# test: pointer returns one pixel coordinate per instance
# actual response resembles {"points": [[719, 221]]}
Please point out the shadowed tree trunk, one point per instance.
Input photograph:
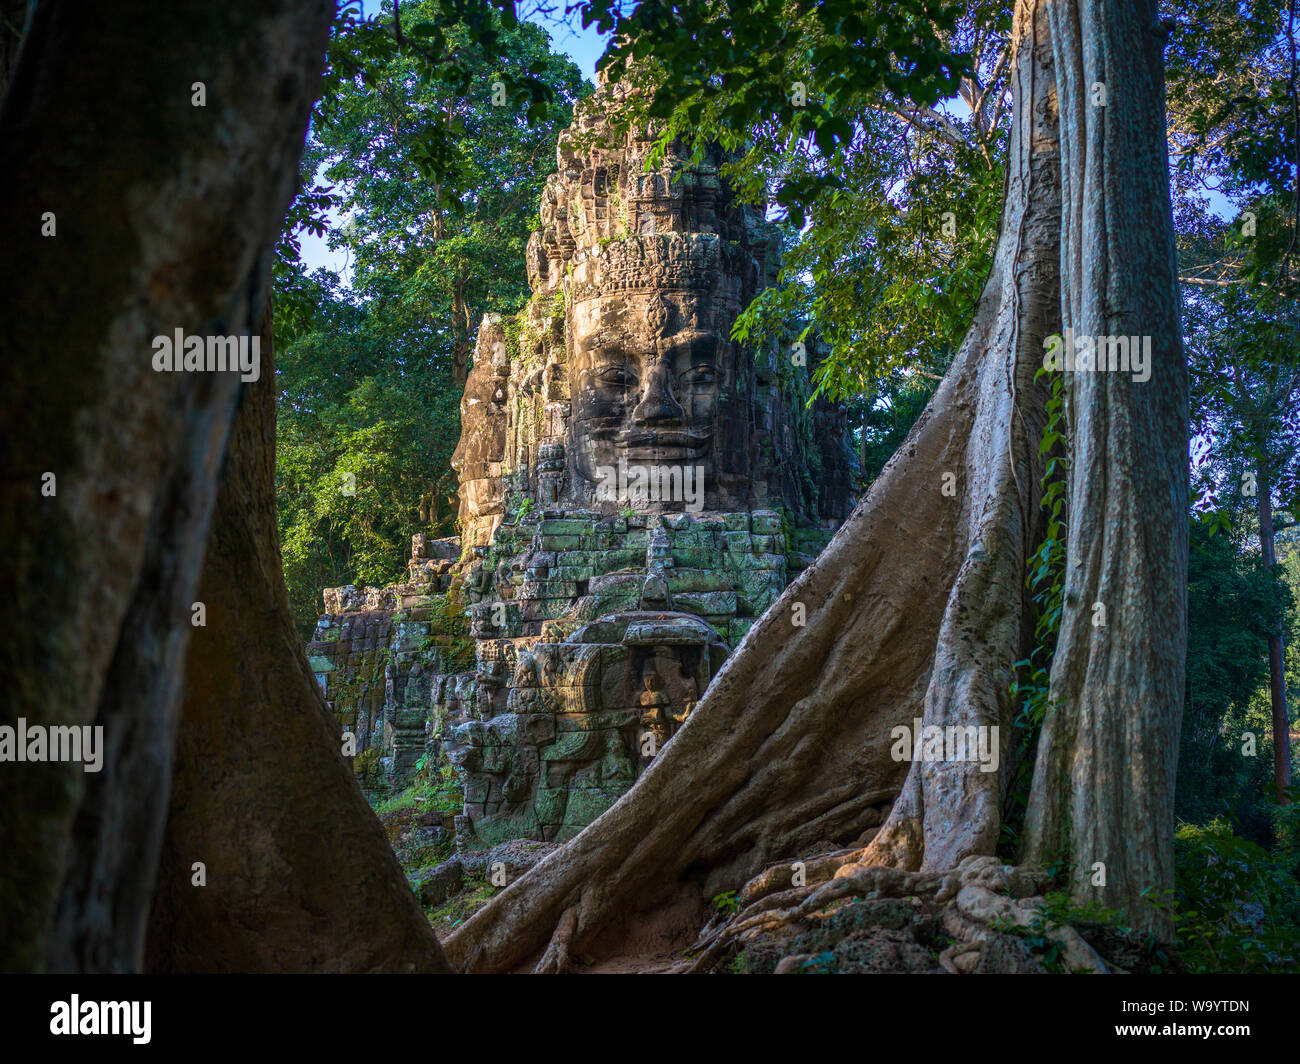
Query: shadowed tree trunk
{"points": [[128, 213], [1276, 646], [299, 874]]}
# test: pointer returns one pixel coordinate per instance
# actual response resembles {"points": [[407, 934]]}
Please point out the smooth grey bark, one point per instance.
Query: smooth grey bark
{"points": [[165, 216], [1102, 795], [950, 810]]}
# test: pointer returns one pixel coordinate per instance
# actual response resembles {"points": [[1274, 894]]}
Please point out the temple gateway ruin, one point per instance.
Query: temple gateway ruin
{"points": [[635, 490]]}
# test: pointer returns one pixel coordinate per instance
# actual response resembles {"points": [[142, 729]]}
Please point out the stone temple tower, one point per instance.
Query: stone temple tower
{"points": [[623, 357], [636, 488]]}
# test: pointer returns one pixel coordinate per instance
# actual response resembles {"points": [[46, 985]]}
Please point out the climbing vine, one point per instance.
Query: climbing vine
{"points": [[512, 327], [1045, 579]]}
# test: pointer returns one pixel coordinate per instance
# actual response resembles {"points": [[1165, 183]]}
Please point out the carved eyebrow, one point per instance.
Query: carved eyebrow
{"points": [[691, 342], [600, 372]]}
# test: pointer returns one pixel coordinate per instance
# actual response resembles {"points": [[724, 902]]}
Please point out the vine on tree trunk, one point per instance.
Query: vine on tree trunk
{"points": [[1046, 580]]}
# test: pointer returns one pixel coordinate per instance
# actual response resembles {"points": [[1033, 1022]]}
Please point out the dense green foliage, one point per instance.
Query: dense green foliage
{"points": [[1232, 129], [1045, 579], [1230, 599], [370, 375], [363, 437], [899, 221], [1236, 906]]}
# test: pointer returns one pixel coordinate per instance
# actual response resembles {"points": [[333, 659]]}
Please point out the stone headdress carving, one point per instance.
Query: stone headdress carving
{"points": [[624, 256]]}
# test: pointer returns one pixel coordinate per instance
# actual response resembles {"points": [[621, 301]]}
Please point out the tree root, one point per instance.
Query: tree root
{"points": [[975, 903], [775, 911], [555, 960]]}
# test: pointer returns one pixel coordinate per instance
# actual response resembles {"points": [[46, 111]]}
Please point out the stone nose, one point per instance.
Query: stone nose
{"points": [[658, 404]]}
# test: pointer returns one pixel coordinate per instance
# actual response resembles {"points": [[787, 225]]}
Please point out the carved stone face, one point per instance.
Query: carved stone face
{"points": [[646, 375]]}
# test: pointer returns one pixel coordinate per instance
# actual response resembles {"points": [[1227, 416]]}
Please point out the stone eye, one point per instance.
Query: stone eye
{"points": [[698, 375], [616, 376]]}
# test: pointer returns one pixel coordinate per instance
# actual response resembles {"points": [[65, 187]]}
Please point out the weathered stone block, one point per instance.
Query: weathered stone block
{"points": [[682, 579], [549, 803], [758, 589], [570, 745], [565, 527], [636, 540], [736, 629], [610, 560], [691, 537], [738, 543], [436, 885], [517, 856], [561, 542], [545, 609], [585, 805]]}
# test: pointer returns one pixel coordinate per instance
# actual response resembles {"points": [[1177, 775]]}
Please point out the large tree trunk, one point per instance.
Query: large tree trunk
{"points": [[1102, 795], [1276, 669], [916, 608], [165, 215], [299, 874], [460, 328]]}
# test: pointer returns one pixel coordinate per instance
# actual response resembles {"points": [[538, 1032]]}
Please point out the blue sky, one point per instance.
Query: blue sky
{"points": [[582, 46]]}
